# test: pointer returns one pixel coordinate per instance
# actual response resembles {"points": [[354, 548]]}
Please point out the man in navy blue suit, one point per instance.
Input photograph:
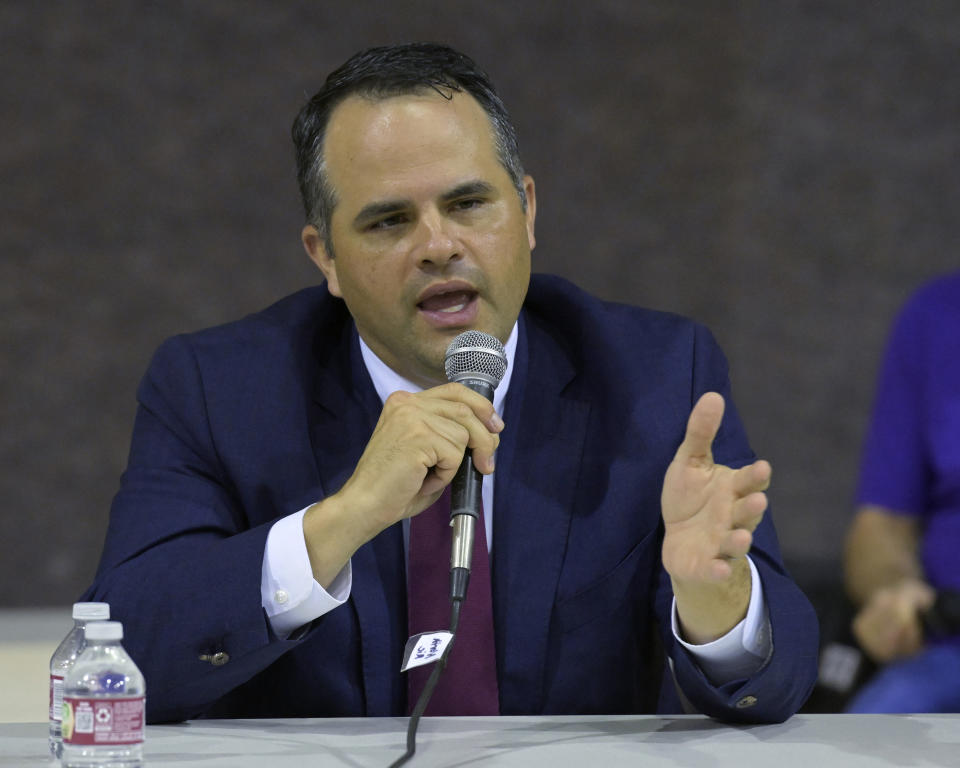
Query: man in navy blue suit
{"points": [[257, 547]]}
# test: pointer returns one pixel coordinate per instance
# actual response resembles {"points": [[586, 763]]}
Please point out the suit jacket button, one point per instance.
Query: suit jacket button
{"points": [[746, 702], [218, 659]]}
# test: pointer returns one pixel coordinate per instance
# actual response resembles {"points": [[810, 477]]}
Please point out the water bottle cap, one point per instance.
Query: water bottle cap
{"points": [[91, 611], [104, 630]]}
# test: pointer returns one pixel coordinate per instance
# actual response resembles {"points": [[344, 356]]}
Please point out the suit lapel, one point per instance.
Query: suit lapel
{"points": [[346, 412], [538, 468]]}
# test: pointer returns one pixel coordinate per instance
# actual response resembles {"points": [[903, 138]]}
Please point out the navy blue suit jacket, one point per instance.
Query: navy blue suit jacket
{"points": [[242, 424]]}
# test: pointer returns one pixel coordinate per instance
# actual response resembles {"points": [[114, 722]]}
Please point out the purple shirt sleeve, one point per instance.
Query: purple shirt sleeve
{"points": [[893, 471]]}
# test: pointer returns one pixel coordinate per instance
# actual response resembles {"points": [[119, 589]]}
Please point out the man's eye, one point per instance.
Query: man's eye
{"points": [[467, 204], [387, 223]]}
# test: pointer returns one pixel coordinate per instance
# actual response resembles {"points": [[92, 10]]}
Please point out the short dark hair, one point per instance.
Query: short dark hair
{"points": [[380, 73]]}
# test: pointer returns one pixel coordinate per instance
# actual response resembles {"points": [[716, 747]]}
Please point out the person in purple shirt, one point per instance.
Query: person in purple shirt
{"points": [[903, 545]]}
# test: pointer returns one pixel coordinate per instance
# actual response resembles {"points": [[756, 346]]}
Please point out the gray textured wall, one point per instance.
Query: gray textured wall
{"points": [[784, 171]]}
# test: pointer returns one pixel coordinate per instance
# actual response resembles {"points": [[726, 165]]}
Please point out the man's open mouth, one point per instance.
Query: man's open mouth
{"points": [[449, 303]]}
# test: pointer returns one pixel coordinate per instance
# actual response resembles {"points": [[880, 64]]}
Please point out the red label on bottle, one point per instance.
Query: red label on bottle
{"points": [[92, 721]]}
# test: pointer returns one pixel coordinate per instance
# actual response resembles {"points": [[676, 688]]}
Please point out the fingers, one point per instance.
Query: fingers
{"points": [[737, 544], [884, 634], [738, 500], [481, 407], [888, 627], [702, 426], [465, 419], [415, 449], [750, 502], [705, 548], [748, 511], [433, 485], [752, 478], [420, 439]]}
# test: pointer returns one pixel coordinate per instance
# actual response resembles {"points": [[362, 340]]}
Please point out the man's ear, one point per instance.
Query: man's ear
{"points": [[531, 192], [317, 251]]}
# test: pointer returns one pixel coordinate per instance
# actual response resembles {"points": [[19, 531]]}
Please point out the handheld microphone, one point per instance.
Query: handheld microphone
{"points": [[478, 361]]}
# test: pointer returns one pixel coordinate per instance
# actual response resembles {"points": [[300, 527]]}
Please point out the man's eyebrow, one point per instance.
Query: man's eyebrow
{"points": [[468, 188], [373, 211]]}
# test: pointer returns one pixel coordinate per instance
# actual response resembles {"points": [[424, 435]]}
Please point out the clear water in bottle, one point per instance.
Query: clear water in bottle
{"points": [[103, 704], [63, 659]]}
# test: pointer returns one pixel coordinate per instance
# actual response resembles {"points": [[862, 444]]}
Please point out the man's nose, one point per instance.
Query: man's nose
{"points": [[436, 244]]}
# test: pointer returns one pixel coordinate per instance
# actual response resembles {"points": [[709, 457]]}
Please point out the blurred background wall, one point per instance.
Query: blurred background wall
{"points": [[783, 171]]}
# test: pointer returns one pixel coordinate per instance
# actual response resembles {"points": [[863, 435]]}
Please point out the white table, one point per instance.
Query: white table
{"points": [[804, 741]]}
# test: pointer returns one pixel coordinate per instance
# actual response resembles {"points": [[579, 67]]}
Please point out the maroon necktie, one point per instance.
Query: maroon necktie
{"points": [[468, 686]]}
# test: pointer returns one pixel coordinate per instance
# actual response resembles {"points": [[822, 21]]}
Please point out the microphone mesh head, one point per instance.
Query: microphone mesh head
{"points": [[475, 354]]}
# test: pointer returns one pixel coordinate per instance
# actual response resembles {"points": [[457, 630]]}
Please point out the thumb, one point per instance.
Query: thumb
{"points": [[702, 427]]}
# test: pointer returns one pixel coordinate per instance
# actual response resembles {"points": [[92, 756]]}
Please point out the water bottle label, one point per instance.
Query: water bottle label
{"points": [[117, 720], [56, 697]]}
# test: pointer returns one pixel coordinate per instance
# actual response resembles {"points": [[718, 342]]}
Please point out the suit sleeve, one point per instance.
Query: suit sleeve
{"points": [[181, 565], [781, 686]]}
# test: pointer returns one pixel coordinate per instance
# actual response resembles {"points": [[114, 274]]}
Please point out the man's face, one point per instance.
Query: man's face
{"points": [[429, 234]]}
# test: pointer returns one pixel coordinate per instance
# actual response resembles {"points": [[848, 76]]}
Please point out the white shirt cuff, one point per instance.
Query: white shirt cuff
{"points": [[290, 595], [744, 649]]}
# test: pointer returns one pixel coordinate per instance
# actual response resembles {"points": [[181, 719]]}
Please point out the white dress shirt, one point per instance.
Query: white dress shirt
{"points": [[292, 598]]}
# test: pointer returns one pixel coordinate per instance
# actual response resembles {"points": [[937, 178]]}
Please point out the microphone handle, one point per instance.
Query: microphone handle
{"points": [[466, 496], [466, 488]]}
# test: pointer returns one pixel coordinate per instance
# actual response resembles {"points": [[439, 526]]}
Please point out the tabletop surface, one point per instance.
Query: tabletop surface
{"points": [[810, 741]]}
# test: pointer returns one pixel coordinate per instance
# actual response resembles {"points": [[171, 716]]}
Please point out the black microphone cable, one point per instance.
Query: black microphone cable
{"points": [[431, 684]]}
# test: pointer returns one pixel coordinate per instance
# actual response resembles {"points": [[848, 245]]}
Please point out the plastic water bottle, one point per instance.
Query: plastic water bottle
{"points": [[103, 704], [63, 659]]}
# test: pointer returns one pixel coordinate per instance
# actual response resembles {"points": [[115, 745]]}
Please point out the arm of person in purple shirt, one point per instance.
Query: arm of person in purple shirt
{"points": [[885, 580]]}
